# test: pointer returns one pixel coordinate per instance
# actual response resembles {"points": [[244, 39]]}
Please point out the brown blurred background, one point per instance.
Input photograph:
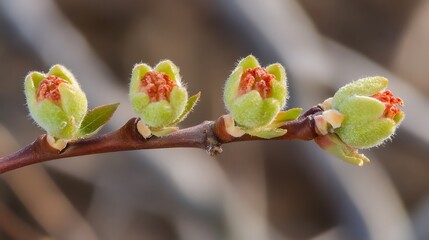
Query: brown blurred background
{"points": [[258, 190]]}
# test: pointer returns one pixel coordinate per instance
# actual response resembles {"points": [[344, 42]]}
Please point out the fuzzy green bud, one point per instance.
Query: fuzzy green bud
{"points": [[255, 95], [158, 96], [56, 102], [371, 113]]}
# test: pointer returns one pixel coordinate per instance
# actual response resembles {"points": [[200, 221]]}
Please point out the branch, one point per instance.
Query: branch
{"points": [[209, 135]]}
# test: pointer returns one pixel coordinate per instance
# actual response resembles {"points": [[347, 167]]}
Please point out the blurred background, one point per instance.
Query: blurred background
{"points": [[255, 190]]}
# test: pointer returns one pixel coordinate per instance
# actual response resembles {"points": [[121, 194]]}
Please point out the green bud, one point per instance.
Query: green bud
{"points": [[159, 97], [371, 113], [56, 102], [254, 95]]}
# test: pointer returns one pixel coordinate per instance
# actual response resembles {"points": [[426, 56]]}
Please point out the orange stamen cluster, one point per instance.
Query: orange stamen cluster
{"points": [[48, 89], [392, 103], [256, 79], [157, 85]]}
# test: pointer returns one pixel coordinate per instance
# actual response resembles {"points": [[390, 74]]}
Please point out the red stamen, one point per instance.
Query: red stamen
{"points": [[157, 85], [392, 103], [256, 79], [48, 89]]}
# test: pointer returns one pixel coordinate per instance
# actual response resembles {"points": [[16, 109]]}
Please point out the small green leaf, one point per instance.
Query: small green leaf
{"points": [[332, 144], [285, 116], [96, 118], [288, 115], [189, 106], [267, 133], [160, 132]]}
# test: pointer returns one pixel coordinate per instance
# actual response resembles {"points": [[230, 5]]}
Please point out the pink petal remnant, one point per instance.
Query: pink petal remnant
{"points": [[256, 79], [48, 89], [157, 85], [392, 103]]}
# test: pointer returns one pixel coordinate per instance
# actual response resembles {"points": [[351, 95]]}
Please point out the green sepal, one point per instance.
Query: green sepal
{"points": [[248, 62], [251, 111], [54, 120], [32, 81], [178, 101], [163, 113], [139, 70], [362, 87], [139, 101], [95, 119], [73, 102], [169, 68], [367, 134], [62, 72], [279, 88], [266, 133], [192, 101], [232, 84], [362, 108], [332, 144], [158, 114], [399, 117]]}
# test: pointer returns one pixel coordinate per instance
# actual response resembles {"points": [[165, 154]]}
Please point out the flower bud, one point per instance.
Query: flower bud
{"points": [[255, 95], [158, 96], [56, 102], [371, 113]]}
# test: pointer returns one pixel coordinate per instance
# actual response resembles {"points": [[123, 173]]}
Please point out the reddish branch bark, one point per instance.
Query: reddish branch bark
{"points": [[209, 135]]}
